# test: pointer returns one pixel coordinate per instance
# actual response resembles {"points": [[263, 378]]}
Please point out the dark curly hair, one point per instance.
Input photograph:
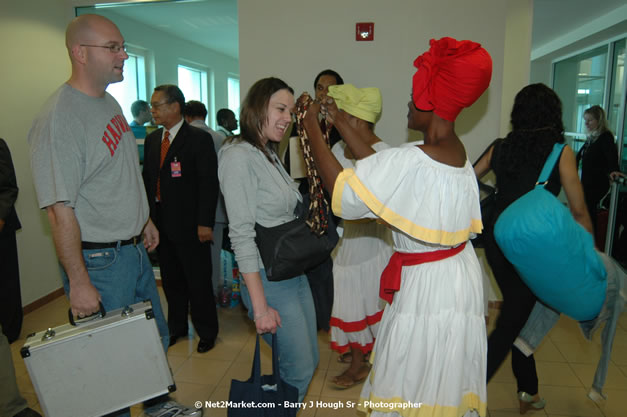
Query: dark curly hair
{"points": [[536, 126]]}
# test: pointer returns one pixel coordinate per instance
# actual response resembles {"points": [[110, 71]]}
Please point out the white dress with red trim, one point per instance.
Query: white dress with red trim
{"points": [[358, 260], [429, 358]]}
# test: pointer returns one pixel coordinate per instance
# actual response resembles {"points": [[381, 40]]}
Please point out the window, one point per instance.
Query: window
{"points": [[233, 97], [617, 89], [193, 84], [580, 82], [133, 87]]}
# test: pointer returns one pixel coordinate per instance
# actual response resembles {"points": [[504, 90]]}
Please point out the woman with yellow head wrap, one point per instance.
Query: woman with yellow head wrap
{"points": [[364, 250], [429, 358]]}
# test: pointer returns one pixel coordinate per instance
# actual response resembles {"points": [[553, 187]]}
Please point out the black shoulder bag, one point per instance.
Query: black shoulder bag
{"points": [[290, 249]]}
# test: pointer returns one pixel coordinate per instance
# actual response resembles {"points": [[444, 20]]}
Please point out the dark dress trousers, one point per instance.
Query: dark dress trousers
{"points": [[188, 200], [10, 297]]}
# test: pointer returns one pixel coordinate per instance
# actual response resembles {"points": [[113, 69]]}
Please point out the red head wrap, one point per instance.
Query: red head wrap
{"points": [[451, 75]]}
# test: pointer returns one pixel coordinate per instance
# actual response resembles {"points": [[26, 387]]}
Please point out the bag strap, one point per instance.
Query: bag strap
{"points": [[276, 375], [256, 371], [255, 375], [550, 164]]}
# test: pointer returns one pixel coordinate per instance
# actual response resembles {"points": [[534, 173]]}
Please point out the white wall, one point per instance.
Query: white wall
{"points": [[517, 56], [35, 63], [291, 40], [296, 40]]}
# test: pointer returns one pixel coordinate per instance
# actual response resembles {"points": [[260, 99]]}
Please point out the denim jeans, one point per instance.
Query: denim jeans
{"points": [[297, 338], [123, 276], [543, 318], [11, 402]]}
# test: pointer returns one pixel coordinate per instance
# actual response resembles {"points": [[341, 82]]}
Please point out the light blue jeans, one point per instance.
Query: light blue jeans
{"points": [[123, 276], [543, 318], [296, 338]]}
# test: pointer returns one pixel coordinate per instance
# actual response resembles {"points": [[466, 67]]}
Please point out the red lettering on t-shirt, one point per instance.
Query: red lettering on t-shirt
{"points": [[116, 135], [116, 128], [107, 140], [123, 123], [116, 123]]}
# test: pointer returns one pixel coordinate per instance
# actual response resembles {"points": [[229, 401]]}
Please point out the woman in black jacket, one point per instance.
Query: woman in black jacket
{"points": [[597, 159]]}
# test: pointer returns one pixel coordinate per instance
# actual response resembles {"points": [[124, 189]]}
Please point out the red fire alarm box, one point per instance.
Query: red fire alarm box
{"points": [[364, 31]]}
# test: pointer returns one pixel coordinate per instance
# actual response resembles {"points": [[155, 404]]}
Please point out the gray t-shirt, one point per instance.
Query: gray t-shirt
{"points": [[83, 153]]}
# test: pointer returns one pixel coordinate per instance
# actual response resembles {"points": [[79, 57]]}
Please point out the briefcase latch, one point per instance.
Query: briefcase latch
{"points": [[127, 311], [48, 335]]}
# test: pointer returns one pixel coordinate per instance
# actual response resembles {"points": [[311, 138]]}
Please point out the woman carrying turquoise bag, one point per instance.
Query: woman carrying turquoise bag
{"points": [[517, 160]]}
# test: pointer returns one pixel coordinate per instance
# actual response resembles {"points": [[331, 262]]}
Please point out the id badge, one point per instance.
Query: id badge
{"points": [[175, 168]]}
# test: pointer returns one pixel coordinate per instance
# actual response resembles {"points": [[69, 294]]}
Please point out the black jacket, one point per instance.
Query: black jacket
{"points": [[8, 191], [188, 200], [599, 159]]}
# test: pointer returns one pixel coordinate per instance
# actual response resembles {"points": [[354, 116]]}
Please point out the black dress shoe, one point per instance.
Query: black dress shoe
{"points": [[175, 337], [205, 345], [172, 341]]}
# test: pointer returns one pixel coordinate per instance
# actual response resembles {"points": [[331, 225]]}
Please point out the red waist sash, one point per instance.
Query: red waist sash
{"points": [[391, 276]]}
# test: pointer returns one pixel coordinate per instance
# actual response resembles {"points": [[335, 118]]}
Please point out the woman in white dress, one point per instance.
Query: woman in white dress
{"points": [[429, 358], [364, 250]]}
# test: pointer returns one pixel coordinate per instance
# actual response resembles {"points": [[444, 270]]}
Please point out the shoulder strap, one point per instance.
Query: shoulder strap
{"points": [[550, 164]]}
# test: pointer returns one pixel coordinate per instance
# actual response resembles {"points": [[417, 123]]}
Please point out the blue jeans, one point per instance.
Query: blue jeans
{"points": [[123, 276], [543, 318], [296, 338]]}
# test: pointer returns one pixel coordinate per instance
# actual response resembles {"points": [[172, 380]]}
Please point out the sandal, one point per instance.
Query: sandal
{"points": [[351, 384], [527, 403], [346, 376], [346, 357]]}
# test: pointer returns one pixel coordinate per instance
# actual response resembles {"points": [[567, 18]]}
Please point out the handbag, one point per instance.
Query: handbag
{"points": [[290, 249], [263, 396], [553, 254], [487, 202], [601, 220]]}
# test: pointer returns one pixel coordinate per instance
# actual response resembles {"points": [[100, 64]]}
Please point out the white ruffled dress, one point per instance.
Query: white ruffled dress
{"points": [[429, 358], [358, 260]]}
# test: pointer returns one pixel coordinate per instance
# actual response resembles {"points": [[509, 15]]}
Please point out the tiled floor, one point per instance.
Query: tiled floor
{"points": [[566, 363]]}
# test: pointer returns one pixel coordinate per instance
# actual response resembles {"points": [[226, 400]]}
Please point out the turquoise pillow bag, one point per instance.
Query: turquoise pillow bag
{"points": [[553, 254]]}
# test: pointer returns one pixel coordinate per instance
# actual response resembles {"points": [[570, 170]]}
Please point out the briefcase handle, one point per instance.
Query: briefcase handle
{"points": [[78, 321]]}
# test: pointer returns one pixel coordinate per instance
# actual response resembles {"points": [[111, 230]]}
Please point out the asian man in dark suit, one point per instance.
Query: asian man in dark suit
{"points": [[180, 175]]}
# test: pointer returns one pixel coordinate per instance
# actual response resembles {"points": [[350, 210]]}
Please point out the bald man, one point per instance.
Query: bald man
{"points": [[87, 177]]}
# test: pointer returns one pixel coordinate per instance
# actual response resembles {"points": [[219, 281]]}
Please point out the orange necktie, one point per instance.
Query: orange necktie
{"points": [[165, 145]]}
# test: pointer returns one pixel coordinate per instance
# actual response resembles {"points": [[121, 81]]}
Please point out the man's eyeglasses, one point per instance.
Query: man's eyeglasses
{"points": [[114, 48]]}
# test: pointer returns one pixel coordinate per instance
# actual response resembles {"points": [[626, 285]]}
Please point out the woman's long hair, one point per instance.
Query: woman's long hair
{"points": [[254, 113], [598, 113], [536, 126]]}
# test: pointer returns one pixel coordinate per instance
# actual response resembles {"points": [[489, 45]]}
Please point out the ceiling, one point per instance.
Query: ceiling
{"points": [[555, 18], [213, 23]]}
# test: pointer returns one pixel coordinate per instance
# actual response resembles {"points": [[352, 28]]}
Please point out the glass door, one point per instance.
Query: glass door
{"points": [[580, 82], [616, 237]]}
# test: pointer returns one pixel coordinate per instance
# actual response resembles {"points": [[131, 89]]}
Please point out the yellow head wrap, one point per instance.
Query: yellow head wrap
{"points": [[363, 103]]}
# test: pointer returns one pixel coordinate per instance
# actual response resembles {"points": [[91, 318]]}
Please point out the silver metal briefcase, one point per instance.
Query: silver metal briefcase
{"points": [[100, 366]]}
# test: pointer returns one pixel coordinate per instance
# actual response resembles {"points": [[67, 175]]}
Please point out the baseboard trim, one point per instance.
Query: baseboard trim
{"points": [[29, 308]]}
